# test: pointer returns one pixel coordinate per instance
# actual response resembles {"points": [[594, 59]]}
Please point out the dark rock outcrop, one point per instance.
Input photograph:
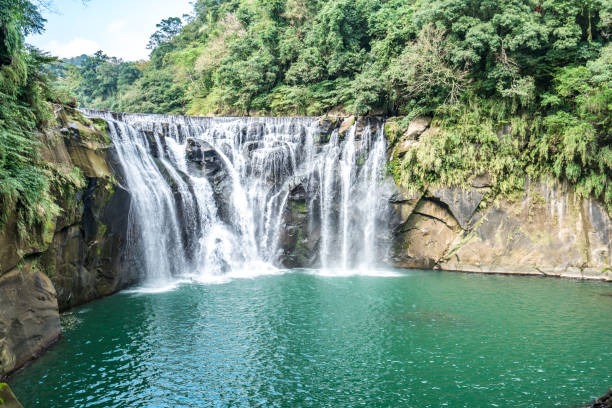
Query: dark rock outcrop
{"points": [[206, 158], [603, 402], [300, 235], [203, 157], [75, 258]]}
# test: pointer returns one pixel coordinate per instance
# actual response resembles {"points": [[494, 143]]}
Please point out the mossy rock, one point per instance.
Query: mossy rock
{"points": [[91, 131], [7, 398], [393, 130]]}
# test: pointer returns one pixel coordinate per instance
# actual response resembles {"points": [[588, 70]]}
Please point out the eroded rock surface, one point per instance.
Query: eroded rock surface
{"points": [[548, 230], [29, 315], [75, 258]]}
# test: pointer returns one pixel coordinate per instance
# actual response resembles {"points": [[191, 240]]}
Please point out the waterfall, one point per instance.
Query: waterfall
{"points": [[214, 196]]}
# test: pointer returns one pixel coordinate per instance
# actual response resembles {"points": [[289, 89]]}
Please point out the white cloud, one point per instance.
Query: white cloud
{"points": [[117, 26], [72, 48]]}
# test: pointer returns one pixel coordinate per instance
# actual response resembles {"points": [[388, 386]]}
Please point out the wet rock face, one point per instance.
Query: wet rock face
{"points": [[548, 231], [76, 258], [205, 158], [416, 128], [29, 316], [603, 402], [301, 233], [85, 260]]}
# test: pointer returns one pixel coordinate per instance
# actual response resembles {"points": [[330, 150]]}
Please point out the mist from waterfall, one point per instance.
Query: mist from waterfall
{"points": [[211, 196]]}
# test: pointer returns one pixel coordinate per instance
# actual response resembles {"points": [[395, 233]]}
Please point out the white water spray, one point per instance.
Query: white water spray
{"points": [[223, 212]]}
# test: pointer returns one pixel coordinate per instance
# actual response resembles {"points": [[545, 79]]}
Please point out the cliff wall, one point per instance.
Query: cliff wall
{"points": [[76, 258]]}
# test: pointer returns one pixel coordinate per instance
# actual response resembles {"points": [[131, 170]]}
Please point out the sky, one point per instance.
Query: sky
{"points": [[120, 28]]}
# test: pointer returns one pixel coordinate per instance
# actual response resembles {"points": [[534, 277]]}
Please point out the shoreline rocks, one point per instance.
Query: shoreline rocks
{"points": [[7, 398], [77, 257]]}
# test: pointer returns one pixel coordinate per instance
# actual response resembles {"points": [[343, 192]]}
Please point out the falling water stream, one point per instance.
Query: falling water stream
{"points": [[214, 199], [210, 195]]}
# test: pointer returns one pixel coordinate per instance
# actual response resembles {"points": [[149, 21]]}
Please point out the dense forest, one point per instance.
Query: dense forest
{"points": [[515, 88]]}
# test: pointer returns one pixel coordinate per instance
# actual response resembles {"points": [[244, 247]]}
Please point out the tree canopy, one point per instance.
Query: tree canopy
{"points": [[537, 68]]}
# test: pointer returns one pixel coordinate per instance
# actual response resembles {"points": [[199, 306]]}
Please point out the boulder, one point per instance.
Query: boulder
{"points": [[29, 316], [430, 132], [346, 124], [405, 146], [416, 128], [328, 124], [411, 138]]}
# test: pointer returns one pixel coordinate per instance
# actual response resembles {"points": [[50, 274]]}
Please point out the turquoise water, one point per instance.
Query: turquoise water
{"points": [[419, 339]]}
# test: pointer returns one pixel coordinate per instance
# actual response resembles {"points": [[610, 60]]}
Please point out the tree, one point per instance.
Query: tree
{"points": [[167, 29]]}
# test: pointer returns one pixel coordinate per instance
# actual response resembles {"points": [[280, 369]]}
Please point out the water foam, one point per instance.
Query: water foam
{"points": [[185, 224]]}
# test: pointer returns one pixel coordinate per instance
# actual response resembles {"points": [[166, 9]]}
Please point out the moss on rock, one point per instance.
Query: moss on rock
{"points": [[7, 398]]}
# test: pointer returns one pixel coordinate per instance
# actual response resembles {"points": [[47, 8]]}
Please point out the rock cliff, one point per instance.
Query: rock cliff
{"points": [[547, 229], [77, 258]]}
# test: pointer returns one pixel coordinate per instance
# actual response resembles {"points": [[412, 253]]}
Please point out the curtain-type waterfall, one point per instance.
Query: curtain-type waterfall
{"points": [[211, 196]]}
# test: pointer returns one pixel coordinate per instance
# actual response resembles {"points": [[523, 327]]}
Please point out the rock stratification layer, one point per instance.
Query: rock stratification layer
{"points": [[77, 257], [547, 230]]}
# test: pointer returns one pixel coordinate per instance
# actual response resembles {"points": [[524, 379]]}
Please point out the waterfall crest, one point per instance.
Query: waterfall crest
{"points": [[213, 197]]}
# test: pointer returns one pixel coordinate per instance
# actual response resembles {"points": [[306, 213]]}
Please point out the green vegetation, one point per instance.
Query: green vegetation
{"points": [[27, 184], [516, 87], [97, 81]]}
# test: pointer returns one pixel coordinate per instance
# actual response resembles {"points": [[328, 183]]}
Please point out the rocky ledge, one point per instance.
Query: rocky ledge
{"points": [[547, 230], [76, 258], [7, 398]]}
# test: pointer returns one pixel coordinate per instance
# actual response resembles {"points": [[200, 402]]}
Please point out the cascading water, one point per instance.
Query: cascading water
{"points": [[211, 196]]}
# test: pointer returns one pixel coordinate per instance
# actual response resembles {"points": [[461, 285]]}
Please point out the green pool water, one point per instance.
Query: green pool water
{"points": [[417, 339]]}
